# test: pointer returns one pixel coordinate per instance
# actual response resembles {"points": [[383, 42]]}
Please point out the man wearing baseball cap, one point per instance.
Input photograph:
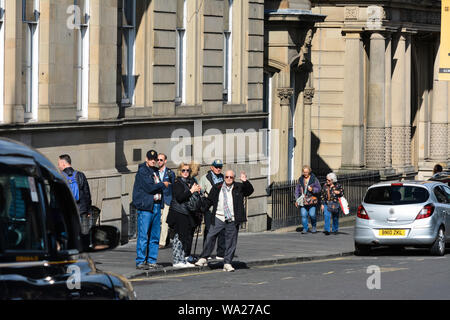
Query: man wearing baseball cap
{"points": [[147, 198], [207, 181]]}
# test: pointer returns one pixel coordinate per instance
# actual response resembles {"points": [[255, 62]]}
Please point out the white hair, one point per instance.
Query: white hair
{"points": [[332, 176]]}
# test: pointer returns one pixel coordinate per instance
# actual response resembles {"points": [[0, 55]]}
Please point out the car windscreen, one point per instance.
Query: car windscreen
{"points": [[396, 195], [21, 224]]}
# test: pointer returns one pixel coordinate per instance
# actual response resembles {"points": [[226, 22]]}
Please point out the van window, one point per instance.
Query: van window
{"points": [[396, 195], [21, 225]]}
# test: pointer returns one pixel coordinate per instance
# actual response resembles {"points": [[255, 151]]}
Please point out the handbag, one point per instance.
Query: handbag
{"points": [[310, 201], [194, 203], [344, 205], [305, 200], [333, 206], [300, 200]]}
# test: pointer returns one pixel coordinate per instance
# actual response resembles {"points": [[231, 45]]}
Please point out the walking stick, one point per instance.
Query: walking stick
{"points": [[195, 247]]}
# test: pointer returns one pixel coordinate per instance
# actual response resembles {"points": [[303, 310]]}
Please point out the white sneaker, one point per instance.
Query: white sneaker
{"points": [[180, 265], [202, 262], [220, 258], [228, 267], [189, 265]]}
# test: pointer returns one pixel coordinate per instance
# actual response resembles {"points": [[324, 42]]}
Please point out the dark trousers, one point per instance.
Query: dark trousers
{"points": [[220, 239], [231, 230]]}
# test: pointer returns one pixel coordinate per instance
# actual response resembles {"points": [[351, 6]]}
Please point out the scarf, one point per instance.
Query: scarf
{"points": [[226, 210], [215, 178]]}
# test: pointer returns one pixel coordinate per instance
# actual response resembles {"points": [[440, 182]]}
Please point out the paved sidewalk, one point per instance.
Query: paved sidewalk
{"points": [[252, 249]]}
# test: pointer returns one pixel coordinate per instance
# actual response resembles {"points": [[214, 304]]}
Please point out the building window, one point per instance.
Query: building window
{"points": [[180, 66], [82, 30], [2, 60], [227, 51], [30, 16], [128, 51]]}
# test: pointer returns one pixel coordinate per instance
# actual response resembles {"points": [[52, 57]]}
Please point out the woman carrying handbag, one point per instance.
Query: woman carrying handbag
{"points": [[306, 193], [182, 217], [331, 192]]}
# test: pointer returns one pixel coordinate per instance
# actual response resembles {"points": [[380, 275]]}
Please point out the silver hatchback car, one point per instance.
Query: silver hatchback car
{"points": [[408, 213]]}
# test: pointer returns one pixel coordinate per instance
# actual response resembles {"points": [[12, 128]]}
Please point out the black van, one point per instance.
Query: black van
{"points": [[43, 254]]}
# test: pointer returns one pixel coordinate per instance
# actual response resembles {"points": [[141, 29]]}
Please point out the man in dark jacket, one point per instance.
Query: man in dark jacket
{"points": [[147, 198], [227, 199], [77, 182]]}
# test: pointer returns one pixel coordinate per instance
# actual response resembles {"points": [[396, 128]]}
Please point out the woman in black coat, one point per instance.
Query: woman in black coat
{"points": [[180, 218]]}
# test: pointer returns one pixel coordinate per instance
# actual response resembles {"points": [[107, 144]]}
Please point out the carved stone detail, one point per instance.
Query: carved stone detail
{"points": [[401, 146], [308, 95], [303, 56], [388, 155], [439, 141], [351, 13], [375, 147], [285, 95]]}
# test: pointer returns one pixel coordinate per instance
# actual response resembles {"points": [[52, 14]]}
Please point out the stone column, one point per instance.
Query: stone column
{"points": [[308, 96], [439, 116], [388, 96], [103, 61], [398, 103], [354, 98], [376, 136], [284, 95]]}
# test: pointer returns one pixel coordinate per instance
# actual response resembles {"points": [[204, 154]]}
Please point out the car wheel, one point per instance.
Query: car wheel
{"points": [[438, 247], [362, 250]]}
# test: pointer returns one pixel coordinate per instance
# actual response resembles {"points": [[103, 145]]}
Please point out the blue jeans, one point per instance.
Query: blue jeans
{"points": [[311, 212], [327, 215], [149, 230]]}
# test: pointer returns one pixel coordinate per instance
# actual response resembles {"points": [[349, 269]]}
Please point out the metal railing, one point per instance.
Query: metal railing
{"points": [[286, 214]]}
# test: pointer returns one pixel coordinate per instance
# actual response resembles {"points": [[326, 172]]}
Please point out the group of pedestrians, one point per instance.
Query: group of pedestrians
{"points": [[310, 195], [179, 202], [185, 202]]}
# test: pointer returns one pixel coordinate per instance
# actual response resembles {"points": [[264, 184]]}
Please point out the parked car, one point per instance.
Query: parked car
{"points": [[408, 213], [43, 254]]}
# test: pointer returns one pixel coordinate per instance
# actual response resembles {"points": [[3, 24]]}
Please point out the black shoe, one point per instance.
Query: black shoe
{"points": [[327, 233]]}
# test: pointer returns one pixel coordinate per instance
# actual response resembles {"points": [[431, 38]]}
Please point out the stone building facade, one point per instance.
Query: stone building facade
{"points": [[353, 85], [107, 80], [378, 102]]}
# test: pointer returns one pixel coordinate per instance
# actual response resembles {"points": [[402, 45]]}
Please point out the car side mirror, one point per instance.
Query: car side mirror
{"points": [[101, 238]]}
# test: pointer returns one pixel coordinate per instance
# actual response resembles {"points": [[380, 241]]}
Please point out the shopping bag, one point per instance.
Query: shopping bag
{"points": [[344, 205]]}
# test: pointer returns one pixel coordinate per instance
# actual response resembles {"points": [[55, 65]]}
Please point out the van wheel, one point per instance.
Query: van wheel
{"points": [[362, 250], [438, 247]]}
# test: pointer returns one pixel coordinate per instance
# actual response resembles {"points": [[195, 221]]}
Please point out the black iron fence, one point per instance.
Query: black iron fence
{"points": [[286, 214]]}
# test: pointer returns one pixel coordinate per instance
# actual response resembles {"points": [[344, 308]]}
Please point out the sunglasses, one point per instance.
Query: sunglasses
{"points": [[186, 170], [161, 160], [229, 177]]}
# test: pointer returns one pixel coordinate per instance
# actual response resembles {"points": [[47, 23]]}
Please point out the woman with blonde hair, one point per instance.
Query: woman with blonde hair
{"points": [[181, 219], [307, 192]]}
